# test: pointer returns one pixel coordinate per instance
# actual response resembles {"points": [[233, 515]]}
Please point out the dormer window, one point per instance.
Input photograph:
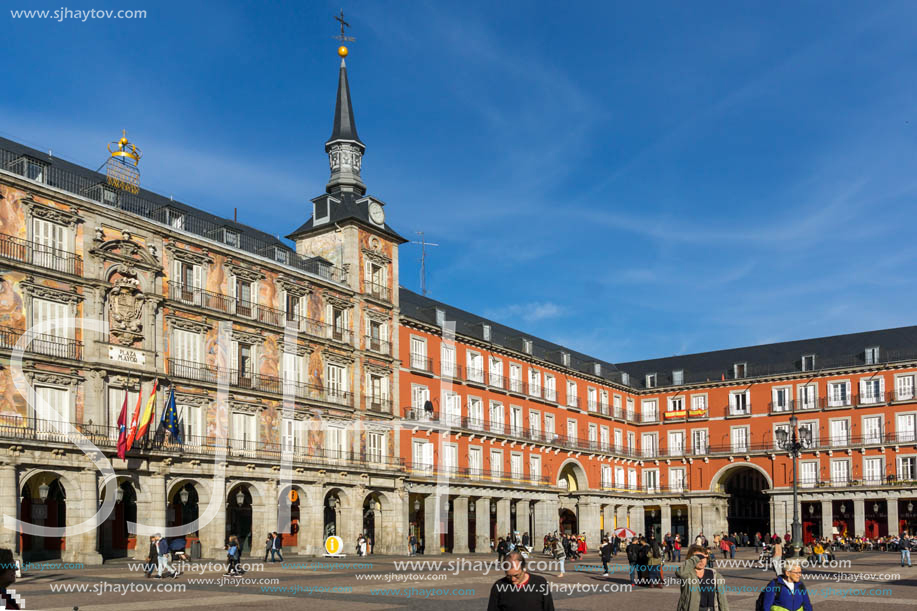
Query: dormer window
{"points": [[527, 346], [31, 168], [175, 219], [651, 380], [872, 355], [320, 210], [739, 370], [625, 378], [440, 317], [281, 255], [231, 237], [565, 358], [808, 362], [486, 333], [597, 369], [678, 377]]}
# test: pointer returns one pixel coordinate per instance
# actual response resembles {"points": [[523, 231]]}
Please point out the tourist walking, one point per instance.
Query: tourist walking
{"points": [[633, 553], [165, 558], [654, 562], [787, 592], [152, 557], [277, 547], [502, 550], [605, 550], [268, 545], [520, 590], [777, 557], [702, 588], [233, 555], [904, 544]]}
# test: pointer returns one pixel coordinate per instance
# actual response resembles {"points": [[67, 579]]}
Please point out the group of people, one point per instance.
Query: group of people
{"points": [[511, 542], [160, 555], [645, 557], [364, 545], [273, 546]]}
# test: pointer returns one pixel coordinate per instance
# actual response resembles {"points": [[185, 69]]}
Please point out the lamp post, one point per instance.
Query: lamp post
{"points": [[794, 441]]}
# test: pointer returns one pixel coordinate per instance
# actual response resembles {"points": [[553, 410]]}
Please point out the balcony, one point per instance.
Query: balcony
{"points": [[423, 469], [902, 394], [24, 251], [378, 291], [534, 390], [106, 438], [573, 401], [867, 400], [382, 405], [209, 374], [550, 394], [474, 375], [839, 401], [378, 345], [592, 405], [448, 369], [651, 416], [516, 385], [41, 343], [780, 408], [496, 380], [420, 362]]}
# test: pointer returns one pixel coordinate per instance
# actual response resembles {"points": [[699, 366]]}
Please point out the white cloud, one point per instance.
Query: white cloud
{"points": [[528, 312]]}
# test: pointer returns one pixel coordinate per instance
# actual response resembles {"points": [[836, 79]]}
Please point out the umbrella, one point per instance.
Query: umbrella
{"points": [[624, 533]]}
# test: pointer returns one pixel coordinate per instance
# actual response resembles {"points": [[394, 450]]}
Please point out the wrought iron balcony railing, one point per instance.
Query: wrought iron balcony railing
{"points": [[377, 344], [422, 469], [41, 343], [420, 362], [40, 255], [379, 291]]}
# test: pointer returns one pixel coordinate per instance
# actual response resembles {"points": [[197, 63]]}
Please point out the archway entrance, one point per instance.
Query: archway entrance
{"points": [[332, 506], [289, 529], [568, 522], [44, 504], [748, 508], [114, 539], [239, 516], [372, 515]]}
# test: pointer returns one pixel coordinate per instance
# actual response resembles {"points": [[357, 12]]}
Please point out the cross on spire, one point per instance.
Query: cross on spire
{"points": [[343, 37]]}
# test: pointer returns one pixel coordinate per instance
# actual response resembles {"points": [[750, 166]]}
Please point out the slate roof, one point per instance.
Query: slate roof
{"points": [[768, 359], [350, 207], [344, 128]]}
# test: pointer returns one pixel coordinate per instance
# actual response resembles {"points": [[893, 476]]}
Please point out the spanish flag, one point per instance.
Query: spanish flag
{"points": [[132, 429], [148, 412]]}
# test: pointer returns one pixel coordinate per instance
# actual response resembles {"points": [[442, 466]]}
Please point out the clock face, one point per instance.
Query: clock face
{"points": [[376, 214]]}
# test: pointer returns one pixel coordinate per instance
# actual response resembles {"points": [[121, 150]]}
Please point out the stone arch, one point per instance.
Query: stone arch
{"points": [[57, 510], [572, 472], [720, 477]]}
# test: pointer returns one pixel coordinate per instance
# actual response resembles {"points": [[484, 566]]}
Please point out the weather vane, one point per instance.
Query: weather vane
{"points": [[343, 37]]}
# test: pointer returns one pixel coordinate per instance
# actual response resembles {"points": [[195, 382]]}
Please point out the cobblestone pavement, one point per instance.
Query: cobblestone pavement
{"points": [[874, 580]]}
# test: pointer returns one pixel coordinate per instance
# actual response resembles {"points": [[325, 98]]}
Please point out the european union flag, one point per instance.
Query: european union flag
{"points": [[169, 420]]}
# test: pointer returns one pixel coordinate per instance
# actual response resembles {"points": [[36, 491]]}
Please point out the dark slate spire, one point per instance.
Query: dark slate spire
{"points": [[345, 128], [344, 148]]}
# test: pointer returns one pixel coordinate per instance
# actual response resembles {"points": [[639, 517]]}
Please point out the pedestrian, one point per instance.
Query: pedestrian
{"points": [[557, 552], [501, 550], [904, 544], [787, 592], [165, 559], [547, 545], [702, 588], [412, 542], [233, 553], [520, 590], [643, 562], [777, 557], [633, 553], [676, 549], [8, 578], [525, 540], [654, 562], [268, 546], [667, 541], [277, 547], [152, 557], [615, 545], [605, 550], [362, 545]]}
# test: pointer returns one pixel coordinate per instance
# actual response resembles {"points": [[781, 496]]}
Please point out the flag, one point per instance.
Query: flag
{"points": [[169, 421], [148, 412], [122, 428], [132, 430]]}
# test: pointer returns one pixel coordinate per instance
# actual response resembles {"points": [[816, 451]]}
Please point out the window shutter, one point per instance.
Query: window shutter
{"points": [[847, 386], [234, 361], [881, 396], [198, 273]]}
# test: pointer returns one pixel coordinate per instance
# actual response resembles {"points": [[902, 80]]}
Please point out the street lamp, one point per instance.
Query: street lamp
{"points": [[794, 441], [184, 495], [240, 497]]}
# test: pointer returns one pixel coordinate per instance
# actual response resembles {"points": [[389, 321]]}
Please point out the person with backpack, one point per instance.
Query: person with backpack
{"points": [[233, 554], [632, 552], [676, 549], [654, 563], [702, 588], [904, 544], [165, 558], [787, 592], [605, 550]]}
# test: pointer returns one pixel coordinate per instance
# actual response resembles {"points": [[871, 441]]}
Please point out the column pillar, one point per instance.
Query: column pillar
{"points": [[665, 518], [213, 533], [827, 518], [460, 525], [893, 526], [9, 502], [482, 526], [82, 504], [637, 521], [431, 529], [545, 518], [503, 523], [621, 516], [350, 518], [588, 521], [378, 545], [311, 539], [859, 517], [522, 518]]}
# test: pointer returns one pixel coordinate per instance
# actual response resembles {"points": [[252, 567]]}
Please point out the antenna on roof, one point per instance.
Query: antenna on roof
{"points": [[423, 261]]}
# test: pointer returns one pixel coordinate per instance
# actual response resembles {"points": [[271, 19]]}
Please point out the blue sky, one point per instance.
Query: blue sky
{"points": [[630, 179]]}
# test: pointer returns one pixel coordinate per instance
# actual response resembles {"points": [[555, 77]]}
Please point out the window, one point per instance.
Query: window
{"points": [[872, 390], [571, 431], [905, 428], [603, 402], [450, 458], [175, 219], [808, 362], [527, 346], [698, 405], [50, 242], [840, 472], [593, 436], [651, 480], [676, 404], [294, 372], [496, 372], [678, 377], [649, 445], [294, 308], [550, 390], [872, 470], [475, 367], [440, 317], [378, 392], [740, 439], [739, 370], [872, 429], [603, 438], [231, 238], [244, 432], [496, 418], [677, 480], [192, 418], [515, 466], [243, 364], [838, 394], [448, 361], [420, 395], [423, 456], [52, 406], [184, 352], [699, 441], [781, 399], [475, 462], [376, 281], [565, 358], [534, 382], [535, 468], [808, 474], [648, 411], [339, 324], [812, 427], [475, 413], [534, 425], [904, 387], [496, 465], [606, 476], [872, 355], [336, 442], [242, 294], [617, 406], [418, 353], [840, 433], [486, 332], [591, 400], [375, 447], [676, 443], [739, 404], [378, 336], [515, 421], [453, 405], [651, 380], [51, 314], [620, 481], [619, 440], [808, 397], [515, 378], [907, 468], [572, 399], [549, 427], [336, 383], [632, 441]]}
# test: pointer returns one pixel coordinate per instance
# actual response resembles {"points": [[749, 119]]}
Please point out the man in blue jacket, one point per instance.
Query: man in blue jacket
{"points": [[787, 592]]}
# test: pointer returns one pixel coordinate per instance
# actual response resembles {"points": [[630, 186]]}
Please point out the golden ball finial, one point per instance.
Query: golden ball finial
{"points": [[342, 51]]}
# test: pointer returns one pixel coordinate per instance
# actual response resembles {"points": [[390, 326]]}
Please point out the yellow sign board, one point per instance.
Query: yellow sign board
{"points": [[334, 546]]}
